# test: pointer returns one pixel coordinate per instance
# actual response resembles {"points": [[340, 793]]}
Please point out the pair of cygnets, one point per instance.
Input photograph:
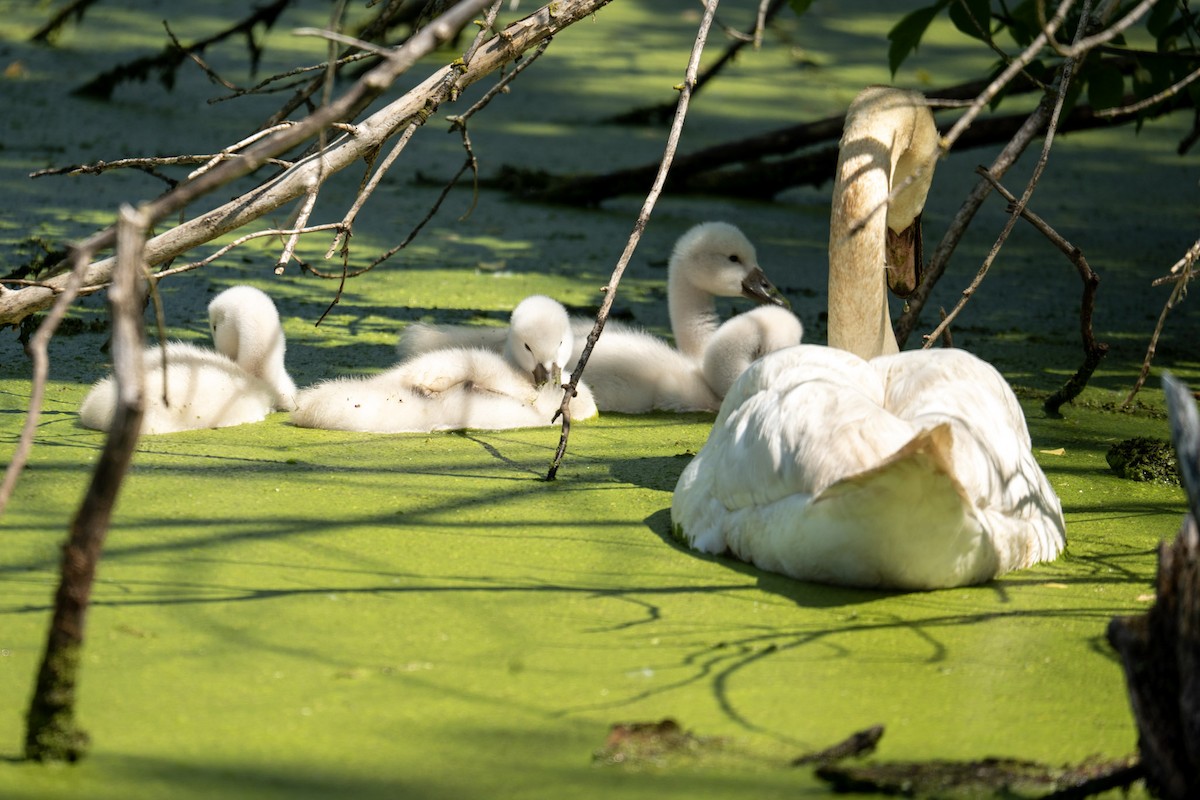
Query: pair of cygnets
{"points": [[454, 377], [632, 371]]}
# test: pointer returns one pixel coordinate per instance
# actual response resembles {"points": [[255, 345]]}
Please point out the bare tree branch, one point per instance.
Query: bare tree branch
{"points": [[39, 355], [610, 290], [1093, 351], [53, 733], [343, 151], [1182, 273]]}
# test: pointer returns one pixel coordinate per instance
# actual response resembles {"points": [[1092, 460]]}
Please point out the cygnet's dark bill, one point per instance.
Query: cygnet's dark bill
{"points": [[758, 287]]}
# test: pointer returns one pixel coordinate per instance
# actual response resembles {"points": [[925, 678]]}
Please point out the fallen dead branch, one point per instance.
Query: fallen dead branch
{"points": [[366, 137], [53, 733]]}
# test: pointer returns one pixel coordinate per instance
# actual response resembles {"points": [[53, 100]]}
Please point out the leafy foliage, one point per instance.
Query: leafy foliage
{"points": [[1159, 52]]}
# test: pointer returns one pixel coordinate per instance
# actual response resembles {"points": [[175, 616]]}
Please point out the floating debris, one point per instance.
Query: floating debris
{"points": [[1144, 459]]}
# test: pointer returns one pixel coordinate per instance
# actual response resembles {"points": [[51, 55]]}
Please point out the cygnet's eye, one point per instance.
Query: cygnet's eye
{"points": [[528, 349], [735, 258]]}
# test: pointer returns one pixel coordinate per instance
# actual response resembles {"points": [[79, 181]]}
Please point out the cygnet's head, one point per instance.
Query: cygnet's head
{"points": [[539, 338], [245, 326], [246, 329], [717, 258]]}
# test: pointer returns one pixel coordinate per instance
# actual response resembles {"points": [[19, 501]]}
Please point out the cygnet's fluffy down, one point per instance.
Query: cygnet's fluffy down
{"points": [[743, 340], [630, 370], [460, 387], [243, 381]]}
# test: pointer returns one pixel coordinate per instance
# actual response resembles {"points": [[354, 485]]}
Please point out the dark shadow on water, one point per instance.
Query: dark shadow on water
{"points": [[660, 473]]}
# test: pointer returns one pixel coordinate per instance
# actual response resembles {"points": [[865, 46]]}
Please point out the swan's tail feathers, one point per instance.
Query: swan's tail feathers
{"points": [[907, 523], [419, 338]]}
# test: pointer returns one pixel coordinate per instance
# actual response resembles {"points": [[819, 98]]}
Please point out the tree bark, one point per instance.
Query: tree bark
{"points": [[52, 733], [1160, 650]]}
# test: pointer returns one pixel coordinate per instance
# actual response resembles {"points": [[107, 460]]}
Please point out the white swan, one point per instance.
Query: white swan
{"points": [[243, 381], [630, 370], [908, 471], [459, 387]]}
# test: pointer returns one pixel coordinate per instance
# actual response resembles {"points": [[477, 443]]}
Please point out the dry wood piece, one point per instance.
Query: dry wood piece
{"points": [[53, 733], [1160, 650], [857, 744], [988, 777]]}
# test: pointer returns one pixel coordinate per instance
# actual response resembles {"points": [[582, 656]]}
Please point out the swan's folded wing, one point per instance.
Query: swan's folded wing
{"points": [[794, 423], [992, 454]]}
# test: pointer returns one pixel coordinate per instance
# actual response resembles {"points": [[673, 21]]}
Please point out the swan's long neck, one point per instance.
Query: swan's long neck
{"points": [[889, 138], [260, 352], [693, 315]]}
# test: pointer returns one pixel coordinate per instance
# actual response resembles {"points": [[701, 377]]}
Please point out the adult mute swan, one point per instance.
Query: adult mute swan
{"points": [[243, 381], [630, 370], [459, 387], [905, 471]]}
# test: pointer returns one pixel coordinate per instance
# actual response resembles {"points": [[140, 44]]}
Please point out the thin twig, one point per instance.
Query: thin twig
{"points": [[345, 229], [610, 290], [520, 35], [342, 38], [448, 88], [1084, 45], [1015, 67], [1178, 292], [38, 354], [940, 259], [456, 122], [197, 60], [760, 23], [301, 221], [1143, 104], [1063, 81], [662, 111], [1093, 351]]}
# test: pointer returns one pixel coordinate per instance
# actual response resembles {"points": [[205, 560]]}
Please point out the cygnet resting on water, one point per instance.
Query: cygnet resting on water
{"points": [[243, 381], [630, 370], [459, 387]]}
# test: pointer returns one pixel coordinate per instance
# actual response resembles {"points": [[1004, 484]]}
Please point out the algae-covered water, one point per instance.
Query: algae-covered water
{"points": [[288, 613]]}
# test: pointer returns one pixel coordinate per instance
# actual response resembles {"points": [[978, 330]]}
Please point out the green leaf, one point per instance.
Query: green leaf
{"points": [[800, 6], [1105, 86], [906, 35], [1023, 23], [972, 17], [1159, 18]]}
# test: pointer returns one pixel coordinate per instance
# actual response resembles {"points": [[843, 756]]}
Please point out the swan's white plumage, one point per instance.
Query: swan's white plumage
{"points": [[242, 382], [630, 370], [911, 470], [458, 387]]}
